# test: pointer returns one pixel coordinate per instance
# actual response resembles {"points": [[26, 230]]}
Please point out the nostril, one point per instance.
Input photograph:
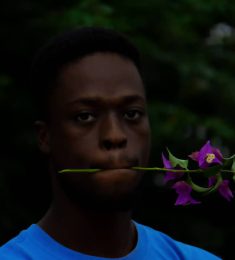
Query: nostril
{"points": [[108, 144], [122, 144]]}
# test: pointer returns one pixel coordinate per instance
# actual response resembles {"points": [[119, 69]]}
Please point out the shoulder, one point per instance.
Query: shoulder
{"points": [[34, 243], [13, 249], [25, 245], [167, 246]]}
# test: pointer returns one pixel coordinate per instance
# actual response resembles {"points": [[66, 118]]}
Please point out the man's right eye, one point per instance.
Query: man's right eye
{"points": [[85, 117]]}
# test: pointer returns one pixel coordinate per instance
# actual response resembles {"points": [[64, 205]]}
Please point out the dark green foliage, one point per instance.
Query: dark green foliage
{"points": [[188, 51]]}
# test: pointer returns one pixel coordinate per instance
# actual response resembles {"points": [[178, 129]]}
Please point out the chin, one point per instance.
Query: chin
{"points": [[103, 193], [116, 203]]}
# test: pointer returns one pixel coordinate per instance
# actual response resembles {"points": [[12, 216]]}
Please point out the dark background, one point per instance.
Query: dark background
{"points": [[188, 49]]}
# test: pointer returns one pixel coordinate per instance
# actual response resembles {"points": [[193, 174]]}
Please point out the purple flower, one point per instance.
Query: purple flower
{"points": [[170, 175], [211, 181], [207, 156], [184, 194], [223, 188], [225, 191]]}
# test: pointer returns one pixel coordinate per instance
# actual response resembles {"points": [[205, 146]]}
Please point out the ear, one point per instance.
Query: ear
{"points": [[43, 136]]}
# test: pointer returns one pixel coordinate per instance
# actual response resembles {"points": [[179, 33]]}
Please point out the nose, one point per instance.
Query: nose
{"points": [[112, 134]]}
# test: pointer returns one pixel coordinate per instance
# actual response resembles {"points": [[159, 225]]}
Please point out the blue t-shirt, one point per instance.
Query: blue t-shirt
{"points": [[35, 244]]}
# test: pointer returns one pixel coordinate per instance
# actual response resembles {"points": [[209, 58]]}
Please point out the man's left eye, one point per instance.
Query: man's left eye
{"points": [[133, 114], [85, 117]]}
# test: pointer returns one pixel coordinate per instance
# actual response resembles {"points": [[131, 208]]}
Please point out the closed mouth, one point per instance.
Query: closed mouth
{"points": [[116, 171], [115, 166]]}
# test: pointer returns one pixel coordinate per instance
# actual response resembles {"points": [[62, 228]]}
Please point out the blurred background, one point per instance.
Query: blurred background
{"points": [[188, 52]]}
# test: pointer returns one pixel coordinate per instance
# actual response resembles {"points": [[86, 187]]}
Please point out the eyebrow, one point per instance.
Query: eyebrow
{"points": [[100, 101]]}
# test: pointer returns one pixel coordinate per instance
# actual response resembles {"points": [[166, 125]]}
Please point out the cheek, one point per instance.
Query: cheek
{"points": [[141, 141], [143, 134], [72, 147], [70, 137], [145, 150]]}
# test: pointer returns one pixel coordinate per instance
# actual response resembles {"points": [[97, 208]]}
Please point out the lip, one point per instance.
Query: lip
{"points": [[116, 167], [112, 165], [117, 171]]}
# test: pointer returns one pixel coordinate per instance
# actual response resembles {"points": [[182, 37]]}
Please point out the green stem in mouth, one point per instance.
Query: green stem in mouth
{"points": [[173, 170], [79, 170], [139, 168], [164, 169]]}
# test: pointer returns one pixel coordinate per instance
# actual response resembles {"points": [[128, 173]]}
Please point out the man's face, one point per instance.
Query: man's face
{"points": [[98, 119]]}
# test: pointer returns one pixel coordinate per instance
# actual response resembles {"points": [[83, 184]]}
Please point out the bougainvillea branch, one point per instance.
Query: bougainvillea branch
{"points": [[212, 166]]}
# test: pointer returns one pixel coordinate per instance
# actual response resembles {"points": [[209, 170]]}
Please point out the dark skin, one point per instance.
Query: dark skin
{"points": [[98, 119]]}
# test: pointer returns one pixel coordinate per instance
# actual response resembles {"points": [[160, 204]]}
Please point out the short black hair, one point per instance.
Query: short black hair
{"points": [[68, 47]]}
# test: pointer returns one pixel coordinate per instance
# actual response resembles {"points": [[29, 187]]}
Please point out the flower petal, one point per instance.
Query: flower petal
{"points": [[218, 154], [184, 193], [194, 156], [170, 175], [206, 149], [211, 181], [209, 155], [166, 162], [225, 191]]}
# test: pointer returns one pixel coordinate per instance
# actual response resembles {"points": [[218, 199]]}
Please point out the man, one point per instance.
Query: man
{"points": [[93, 116]]}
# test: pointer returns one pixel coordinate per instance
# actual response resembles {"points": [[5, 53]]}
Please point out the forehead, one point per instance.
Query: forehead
{"points": [[103, 75]]}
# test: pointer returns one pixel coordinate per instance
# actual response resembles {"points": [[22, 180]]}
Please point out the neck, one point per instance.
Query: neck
{"points": [[105, 234]]}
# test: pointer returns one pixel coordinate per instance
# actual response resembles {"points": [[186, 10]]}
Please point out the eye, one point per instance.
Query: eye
{"points": [[85, 117], [133, 114]]}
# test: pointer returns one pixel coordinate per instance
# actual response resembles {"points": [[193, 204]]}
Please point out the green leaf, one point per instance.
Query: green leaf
{"points": [[233, 168], [205, 190], [196, 187], [177, 162], [229, 162], [233, 165], [215, 187]]}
